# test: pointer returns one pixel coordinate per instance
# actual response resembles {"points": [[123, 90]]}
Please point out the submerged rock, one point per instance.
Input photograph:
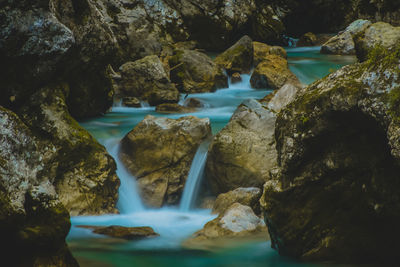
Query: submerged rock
{"points": [[246, 196], [147, 80], [237, 58], [273, 72], [343, 44], [335, 196], [129, 233], [238, 221], [195, 72], [174, 108], [193, 103], [262, 51], [378, 34], [159, 152], [31, 217]]}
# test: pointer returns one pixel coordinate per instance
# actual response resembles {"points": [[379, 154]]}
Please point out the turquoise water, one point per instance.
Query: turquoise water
{"points": [[173, 224]]}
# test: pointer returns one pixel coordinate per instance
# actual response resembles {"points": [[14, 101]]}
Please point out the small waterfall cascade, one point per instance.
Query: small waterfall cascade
{"points": [[129, 198], [193, 182]]}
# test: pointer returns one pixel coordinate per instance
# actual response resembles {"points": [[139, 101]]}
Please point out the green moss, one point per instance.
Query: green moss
{"points": [[385, 57]]}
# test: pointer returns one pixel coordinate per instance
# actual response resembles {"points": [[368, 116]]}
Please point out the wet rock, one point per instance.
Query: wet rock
{"points": [[195, 72], [238, 221], [159, 152], [132, 102], [282, 97], [31, 217], [237, 58], [129, 233], [147, 80], [338, 177], [174, 108], [243, 152], [381, 34], [343, 44], [262, 51], [84, 173], [193, 103], [273, 72], [246, 196], [307, 39], [236, 78]]}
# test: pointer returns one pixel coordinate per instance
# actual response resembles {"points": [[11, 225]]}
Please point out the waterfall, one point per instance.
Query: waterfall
{"points": [[129, 200], [193, 181]]}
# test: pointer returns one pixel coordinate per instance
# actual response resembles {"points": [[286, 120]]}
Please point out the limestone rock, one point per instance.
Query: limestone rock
{"points": [[236, 78], [132, 102], [343, 44], [378, 34], [84, 178], [246, 196], [307, 39], [335, 196], [193, 103], [273, 72], [147, 80], [243, 152], [237, 58], [195, 72], [129, 233], [159, 152], [262, 51], [174, 108]]}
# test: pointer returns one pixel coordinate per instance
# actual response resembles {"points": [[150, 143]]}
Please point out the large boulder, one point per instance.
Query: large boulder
{"points": [[237, 58], [343, 44], [249, 196], [238, 221], [31, 217], [84, 178], [335, 196], [378, 34], [243, 152], [195, 72], [147, 80], [272, 72], [159, 152], [262, 51]]}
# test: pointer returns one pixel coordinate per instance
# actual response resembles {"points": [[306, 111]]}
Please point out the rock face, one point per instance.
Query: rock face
{"points": [[237, 221], [237, 58], [129, 233], [249, 196], [343, 44], [84, 177], [31, 217], [195, 72], [243, 152], [273, 72], [380, 33], [336, 194], [159, 152], [262, 51], [147, 80]]}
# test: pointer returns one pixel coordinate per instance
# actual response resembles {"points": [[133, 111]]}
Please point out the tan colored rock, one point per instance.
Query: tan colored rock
{"points": [[262, 51], [246, 196], [174, 108], [236, 78], [133, 102], [117, 231], [237, 58], [159, 152], [195, 72], [147, 80], [282, 97], [307, 39], [273, 72], [193, 103]]}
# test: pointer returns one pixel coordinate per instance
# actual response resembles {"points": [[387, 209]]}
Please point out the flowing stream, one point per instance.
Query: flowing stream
{"points": [[175, 224]]}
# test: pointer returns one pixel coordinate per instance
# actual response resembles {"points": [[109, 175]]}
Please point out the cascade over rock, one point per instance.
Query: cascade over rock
{"points": [[159, 152], [335, 196]]}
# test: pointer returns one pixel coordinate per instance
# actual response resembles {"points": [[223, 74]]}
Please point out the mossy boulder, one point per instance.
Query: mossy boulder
{"points": [[262, 51], [31, 216], [272, 72], [159, 152], [237, 58], [195, 72], [335, 196], [378, 34], [343, 44], [174, 108], [84, 178], [147, 80]]}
